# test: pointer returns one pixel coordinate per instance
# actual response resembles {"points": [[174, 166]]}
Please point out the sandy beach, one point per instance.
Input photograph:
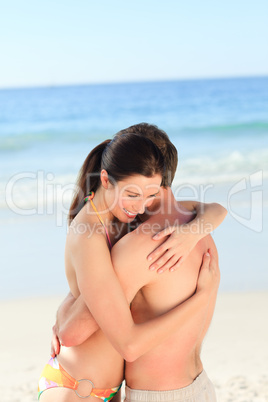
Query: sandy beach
{"points": [[235, 351]]}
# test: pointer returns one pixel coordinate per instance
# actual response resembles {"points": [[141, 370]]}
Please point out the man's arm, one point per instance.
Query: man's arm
{"points": [[74, 324]]}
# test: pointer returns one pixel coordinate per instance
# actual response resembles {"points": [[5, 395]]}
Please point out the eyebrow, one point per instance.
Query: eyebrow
{"points": [[133, 192]]}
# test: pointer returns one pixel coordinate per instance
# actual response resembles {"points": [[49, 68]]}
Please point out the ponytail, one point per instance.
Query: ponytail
{"points": [[88, 178]]}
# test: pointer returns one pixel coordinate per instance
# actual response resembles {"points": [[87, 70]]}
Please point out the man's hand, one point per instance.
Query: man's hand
{"points": [[174, 250], [55, 342]]}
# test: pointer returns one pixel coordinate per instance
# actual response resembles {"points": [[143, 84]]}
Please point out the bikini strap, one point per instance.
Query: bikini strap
{"points": [[90, 197]]}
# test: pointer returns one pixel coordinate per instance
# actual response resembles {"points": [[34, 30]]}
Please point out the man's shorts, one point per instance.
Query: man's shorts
{"points": [[201, 390]]}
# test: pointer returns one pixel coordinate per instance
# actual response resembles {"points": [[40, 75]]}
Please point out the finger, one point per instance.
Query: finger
{"points": [[161, 261], [58, 346], [53, 351], [206, 260], [213, 265], [159, 250], [169, 265], [213, 261], [165, 232], [55, 343], [177, 264]]}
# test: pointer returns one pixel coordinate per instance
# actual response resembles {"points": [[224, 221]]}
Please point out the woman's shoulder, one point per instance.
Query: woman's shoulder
{"points": [[87, 232]]}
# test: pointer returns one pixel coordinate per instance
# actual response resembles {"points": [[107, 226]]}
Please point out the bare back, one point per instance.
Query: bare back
{"points": [[176, 362]]}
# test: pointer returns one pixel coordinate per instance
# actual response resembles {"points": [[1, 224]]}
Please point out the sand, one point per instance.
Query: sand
{"points": [[235, 351]]}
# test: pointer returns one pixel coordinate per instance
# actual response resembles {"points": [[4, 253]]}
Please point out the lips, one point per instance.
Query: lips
{"points": [[129, 214]]}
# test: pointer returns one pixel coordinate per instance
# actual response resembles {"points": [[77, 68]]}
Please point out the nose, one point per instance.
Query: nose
{"points": [[142, 209], [139, 208]]}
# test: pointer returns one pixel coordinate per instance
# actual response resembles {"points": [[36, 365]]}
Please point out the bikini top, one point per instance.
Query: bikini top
{"points": [[90, 197]]}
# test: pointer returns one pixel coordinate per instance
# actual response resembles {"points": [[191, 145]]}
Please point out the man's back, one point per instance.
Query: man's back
{"points": [[176, 362]]}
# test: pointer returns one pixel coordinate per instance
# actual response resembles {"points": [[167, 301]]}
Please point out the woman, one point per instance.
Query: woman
{"points": [[124, 173]]}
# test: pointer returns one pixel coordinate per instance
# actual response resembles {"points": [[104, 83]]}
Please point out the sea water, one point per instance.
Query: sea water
{"points": [[219, 126]]}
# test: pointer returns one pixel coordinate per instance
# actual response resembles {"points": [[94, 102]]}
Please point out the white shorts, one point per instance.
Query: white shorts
{"points": [[201, 390]]}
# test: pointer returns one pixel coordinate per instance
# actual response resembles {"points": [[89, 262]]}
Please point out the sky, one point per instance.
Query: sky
{"points": [[58, 42]]}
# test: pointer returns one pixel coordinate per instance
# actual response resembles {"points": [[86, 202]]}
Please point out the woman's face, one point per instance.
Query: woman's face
{"points": [[131, 196]]}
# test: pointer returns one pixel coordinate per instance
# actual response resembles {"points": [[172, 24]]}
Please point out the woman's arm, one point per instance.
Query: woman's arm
{"points": [[183, 238], [75, 323], [208, 216], [104, 296]]}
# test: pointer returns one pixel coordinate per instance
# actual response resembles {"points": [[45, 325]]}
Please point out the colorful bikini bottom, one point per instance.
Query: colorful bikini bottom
{"points": [[54, 375]]}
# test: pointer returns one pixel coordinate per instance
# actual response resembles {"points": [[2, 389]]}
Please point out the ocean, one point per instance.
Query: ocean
{"points": [[219, 126]]}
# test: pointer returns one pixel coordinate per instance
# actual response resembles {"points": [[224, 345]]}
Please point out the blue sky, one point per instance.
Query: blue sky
{"points": [[84, 41]]}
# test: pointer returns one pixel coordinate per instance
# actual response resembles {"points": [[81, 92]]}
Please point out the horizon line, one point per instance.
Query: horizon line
{"points": [[140, 81]]}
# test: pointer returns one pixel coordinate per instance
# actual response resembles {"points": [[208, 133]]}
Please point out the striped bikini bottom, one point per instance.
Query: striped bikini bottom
{"points": [[54, 375]]}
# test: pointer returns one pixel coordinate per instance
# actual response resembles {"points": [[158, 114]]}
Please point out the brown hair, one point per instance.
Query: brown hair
{"points": [[162, 141], [126, 155]]}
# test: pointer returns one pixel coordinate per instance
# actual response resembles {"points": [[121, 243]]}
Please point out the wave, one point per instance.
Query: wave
{"points": [[22, 141], [45, 190], [225, 167], [26, 141], [206, 109], [257, 127]]}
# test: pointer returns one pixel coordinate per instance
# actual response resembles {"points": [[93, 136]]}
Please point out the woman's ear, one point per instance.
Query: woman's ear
{"points": [[104, 178]]}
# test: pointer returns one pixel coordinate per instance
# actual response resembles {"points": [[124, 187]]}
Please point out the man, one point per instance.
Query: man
{"points": [[174, 365]]}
